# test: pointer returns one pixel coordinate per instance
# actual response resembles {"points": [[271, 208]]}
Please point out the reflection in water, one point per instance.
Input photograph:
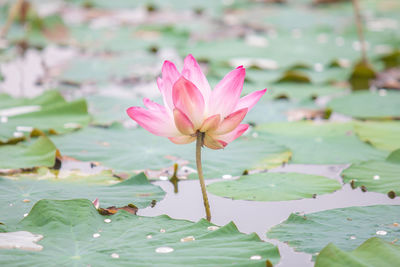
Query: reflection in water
{"points": [[174, 179], [256, 216]]}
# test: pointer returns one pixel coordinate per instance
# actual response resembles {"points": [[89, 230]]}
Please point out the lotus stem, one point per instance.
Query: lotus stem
{"points": [[357, 16], [199, 145], [12, 14]]}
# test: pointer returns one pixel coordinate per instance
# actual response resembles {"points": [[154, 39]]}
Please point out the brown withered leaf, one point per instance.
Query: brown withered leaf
{"points": [[58, 34], [388, 79], [306, 114], [112, 210]]}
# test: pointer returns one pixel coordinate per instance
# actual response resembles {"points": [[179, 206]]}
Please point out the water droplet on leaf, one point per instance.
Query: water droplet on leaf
{"points": [[115, 256], [107, 220], [382, 92], [163, 178], [255, 257], [381, 232], [164, 250], [188, 239], [24, 129], [212, 228], [318, 67], [18, 134]]}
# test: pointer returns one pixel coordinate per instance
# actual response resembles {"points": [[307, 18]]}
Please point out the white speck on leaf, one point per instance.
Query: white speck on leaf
{"points": [[164, 250], [381, 232], [115, 256]]}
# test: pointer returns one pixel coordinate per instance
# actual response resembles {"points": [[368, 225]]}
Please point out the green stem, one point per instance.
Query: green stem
{"points": [[357, 16], [199, 144]]}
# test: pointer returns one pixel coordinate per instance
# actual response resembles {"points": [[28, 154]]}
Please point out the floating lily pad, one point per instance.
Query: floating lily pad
{"points": [[368, 105], [274, 187], [298, 92], [107, 109], [104, 177], [377, 176], [346, 228], [48, 113], [47, 98], [75, 234], [372, 253], [98, 69], [270, 111], [41, 152], [320, 143], [17, 196], [136, 149], [383, 135]]}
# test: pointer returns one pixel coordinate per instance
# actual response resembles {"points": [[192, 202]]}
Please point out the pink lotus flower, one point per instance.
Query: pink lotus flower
{"points": [[191, 107]]}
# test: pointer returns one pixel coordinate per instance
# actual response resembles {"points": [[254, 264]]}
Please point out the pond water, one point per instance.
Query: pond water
{"points": [[258, 217]]}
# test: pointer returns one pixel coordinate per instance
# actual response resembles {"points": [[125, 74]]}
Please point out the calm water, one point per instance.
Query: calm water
{"points": [[258, 217]]}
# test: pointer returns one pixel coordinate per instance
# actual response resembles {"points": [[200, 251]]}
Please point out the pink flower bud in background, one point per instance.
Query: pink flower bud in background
{"points": [[96, 203]]}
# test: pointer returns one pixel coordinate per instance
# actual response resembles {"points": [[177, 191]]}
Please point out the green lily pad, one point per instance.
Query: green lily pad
{"points": [[75, 234], [346, 228], [48, 113], [368, 105], [377, 176], [47, 98], [136, 149], [42, 152], [383, 135], [320, 143], [274, 187], [17, 196], [131, 42], [76, 175], [372, 253], [97, 69], [298, 92], [106, 109], [276, 111]]}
